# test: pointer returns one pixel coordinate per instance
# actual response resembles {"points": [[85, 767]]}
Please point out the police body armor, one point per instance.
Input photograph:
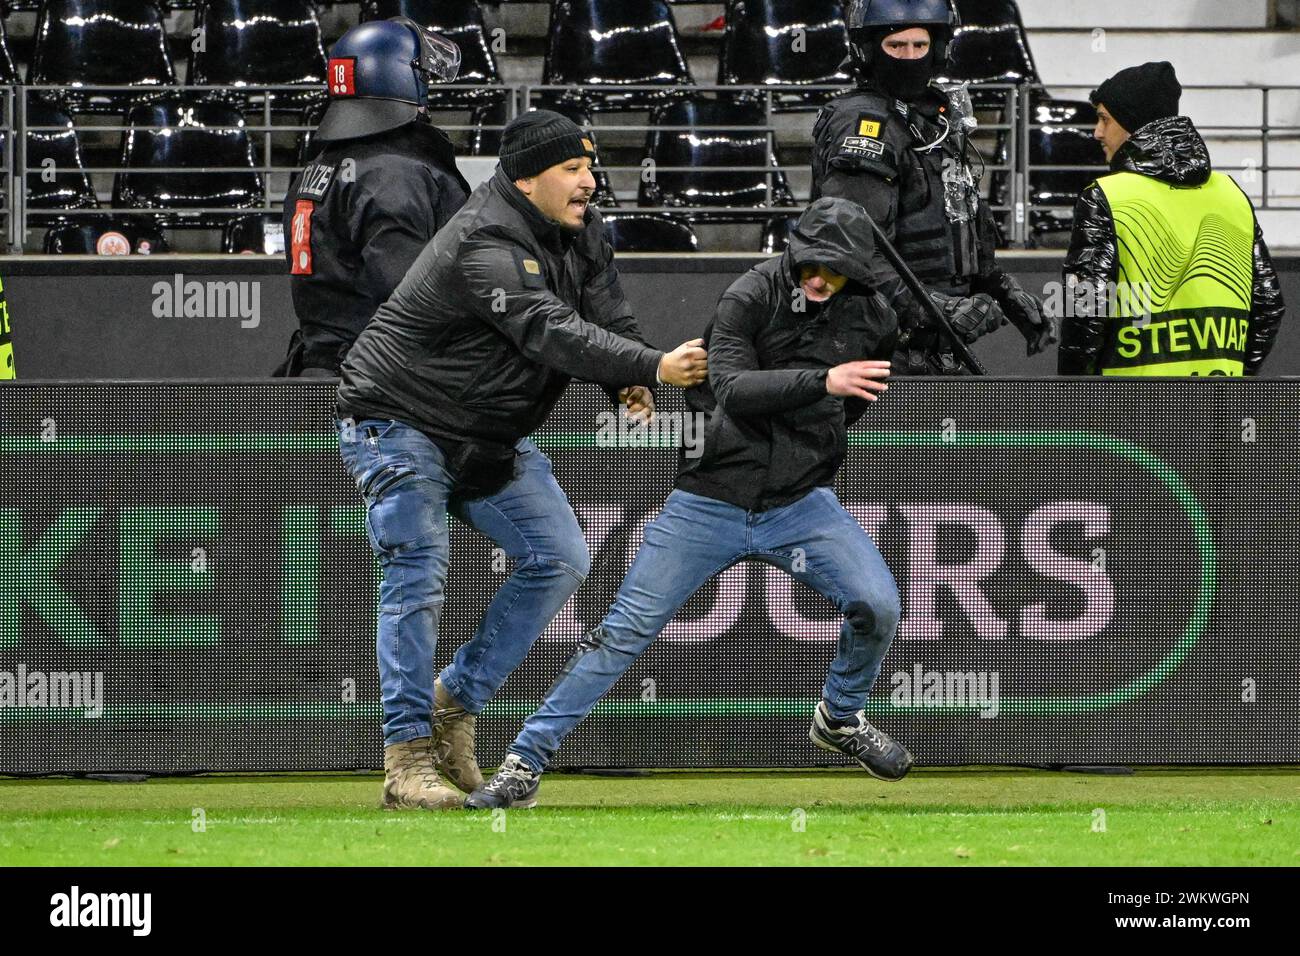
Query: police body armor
{"points": [[919, 150]]}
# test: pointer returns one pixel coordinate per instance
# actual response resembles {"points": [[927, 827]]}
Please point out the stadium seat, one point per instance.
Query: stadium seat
{"points": [[991, 47], [194, 137], [258, 234], [645, 232], [1060, 142], [761, 48], [106, 237], [776, 234], [56, 177], [100, 43], [608, 44], [260, 43], [460, 21], [8, 72], [716, 134]]}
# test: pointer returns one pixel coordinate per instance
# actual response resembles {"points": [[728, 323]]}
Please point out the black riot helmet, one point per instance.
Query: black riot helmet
{"points": [[379, 76], [870, 21]]}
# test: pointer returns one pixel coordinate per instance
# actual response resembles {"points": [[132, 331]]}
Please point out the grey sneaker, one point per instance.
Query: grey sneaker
{"points": [[514, 786], [411, 781], [883, 758], [453, 741]]}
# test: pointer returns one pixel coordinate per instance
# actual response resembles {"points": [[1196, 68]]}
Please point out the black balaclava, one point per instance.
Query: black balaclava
{"points": [[902, 79]]}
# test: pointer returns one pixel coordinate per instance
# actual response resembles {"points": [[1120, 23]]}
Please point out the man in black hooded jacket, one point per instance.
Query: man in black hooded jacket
{"points": [[1168, 272], [795, 354]]}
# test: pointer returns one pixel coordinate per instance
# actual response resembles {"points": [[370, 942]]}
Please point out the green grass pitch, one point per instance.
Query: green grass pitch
{"points": [[936, 816]]}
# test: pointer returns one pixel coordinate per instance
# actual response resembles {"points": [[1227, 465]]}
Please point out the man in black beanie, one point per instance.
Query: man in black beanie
{"points": [[1168, 273], [515, 296]]}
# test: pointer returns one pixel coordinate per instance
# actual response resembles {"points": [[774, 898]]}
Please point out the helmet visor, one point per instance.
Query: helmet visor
{"points": [[439, 58]]}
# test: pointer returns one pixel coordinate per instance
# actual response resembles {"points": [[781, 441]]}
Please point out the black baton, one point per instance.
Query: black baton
{"points": [[918, 290]]}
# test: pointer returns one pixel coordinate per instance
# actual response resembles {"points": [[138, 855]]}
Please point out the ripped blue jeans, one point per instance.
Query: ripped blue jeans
{"points": [[813, 539], [402, 475]]}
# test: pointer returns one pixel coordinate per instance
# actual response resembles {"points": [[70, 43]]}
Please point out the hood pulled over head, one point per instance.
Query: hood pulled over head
{"points": [[834, 233]]}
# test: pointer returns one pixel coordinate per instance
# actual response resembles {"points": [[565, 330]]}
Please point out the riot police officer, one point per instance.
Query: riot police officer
{"points": [[898, 146], [384, 181]]}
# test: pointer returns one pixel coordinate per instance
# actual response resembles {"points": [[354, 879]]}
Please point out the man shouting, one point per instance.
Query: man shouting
{"points": [[514, 296]]}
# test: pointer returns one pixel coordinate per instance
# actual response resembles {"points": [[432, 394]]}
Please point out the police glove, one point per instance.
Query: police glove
{"points": [[1025, 312], [970, 317]]}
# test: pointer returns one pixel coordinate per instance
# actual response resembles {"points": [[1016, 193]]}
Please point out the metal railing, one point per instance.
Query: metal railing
{"points": [[1007, 129]]}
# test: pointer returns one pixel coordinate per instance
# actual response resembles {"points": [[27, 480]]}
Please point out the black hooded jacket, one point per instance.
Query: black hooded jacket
{"points": [[496, 314], [1172, 151], [774, 433]]}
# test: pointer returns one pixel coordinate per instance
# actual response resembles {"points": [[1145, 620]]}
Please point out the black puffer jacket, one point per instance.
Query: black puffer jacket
{"points": [[496, 314], [774, 433], [1172, 151]]}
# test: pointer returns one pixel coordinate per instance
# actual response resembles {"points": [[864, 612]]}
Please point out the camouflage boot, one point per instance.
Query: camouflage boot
{"points": [[410, 780], [453, 741]]}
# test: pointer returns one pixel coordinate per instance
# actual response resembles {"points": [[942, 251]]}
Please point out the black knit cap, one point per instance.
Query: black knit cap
{"points": [[535, 141], [1140, 95]]}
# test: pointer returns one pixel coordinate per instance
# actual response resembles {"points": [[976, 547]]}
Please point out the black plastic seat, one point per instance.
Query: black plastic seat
{"points": [[199, 136], [759, 48], [8, 72], [56, 177], [460, 21], [718, 132], [101, 43], [1062, 141], [991, 47], [776, 233], [608, 44], [258, 234], [645, 232], [105, 236], [260, 43]]}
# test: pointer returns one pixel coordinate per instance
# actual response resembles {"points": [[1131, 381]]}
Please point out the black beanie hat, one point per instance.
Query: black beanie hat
{"points": [[535, 141], [1140, 95]]}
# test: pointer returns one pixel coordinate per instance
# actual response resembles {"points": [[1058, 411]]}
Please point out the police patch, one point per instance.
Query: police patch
{"points": [[862, 146], [870, 125], [316, 179]]}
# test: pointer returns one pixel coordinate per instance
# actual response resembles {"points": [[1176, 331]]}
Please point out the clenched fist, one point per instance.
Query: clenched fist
{"points": [[640, 402], [686, 365]]}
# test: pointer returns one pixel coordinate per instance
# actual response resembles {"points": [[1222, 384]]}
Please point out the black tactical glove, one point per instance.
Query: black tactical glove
{"points": [[1025, 312], [970, 317]]}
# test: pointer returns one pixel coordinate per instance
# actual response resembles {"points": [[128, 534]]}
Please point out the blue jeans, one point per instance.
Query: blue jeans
{"points": [[403, 477], [814, 540]]}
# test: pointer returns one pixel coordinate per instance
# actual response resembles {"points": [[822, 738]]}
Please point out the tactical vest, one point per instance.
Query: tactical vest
{"points": [[1182, 300], [936, 231]]}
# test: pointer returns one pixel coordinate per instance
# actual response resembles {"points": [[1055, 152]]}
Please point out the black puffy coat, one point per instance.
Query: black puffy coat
{"points": [[1172, 151], [773, 432], [498, 312]]}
